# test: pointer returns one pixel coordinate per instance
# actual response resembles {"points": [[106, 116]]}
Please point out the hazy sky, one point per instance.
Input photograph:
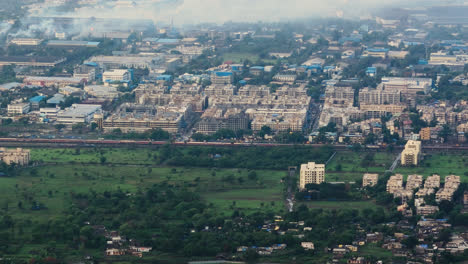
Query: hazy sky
{"points": [[219, 11]]}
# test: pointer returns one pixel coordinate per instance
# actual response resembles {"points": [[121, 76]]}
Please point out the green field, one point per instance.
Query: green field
{"points": [[352, 168], [90, 155], [375, 252], [52, 185], [441, 163], [337, 205]]}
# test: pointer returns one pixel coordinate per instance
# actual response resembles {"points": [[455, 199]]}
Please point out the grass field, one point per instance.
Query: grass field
{"points": [[441, 163], [51, 186], [351, 165], [88, 155], [337, 205], [376, 252]]}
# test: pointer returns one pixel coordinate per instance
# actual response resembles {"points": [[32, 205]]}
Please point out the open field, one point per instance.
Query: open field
{"points": [[90, 155], [376, 252], [349, 166], [52, 185], [440, 163], [337, 205]]}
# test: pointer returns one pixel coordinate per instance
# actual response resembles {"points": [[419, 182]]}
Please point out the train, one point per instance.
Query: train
{"points": [[108, 142]]}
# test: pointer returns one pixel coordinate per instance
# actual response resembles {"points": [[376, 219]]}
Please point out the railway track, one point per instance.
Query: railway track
{"points": [[39, 142]]}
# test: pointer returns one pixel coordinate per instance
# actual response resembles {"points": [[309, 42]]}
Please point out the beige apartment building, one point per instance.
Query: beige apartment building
{"points": [[19, 109], [15, 156], [370, 179], [311, 173], [395, 183], [411, 154]]}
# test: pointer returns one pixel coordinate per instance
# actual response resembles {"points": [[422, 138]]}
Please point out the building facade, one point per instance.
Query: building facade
{"points": [[411, 154], [311, 173]]}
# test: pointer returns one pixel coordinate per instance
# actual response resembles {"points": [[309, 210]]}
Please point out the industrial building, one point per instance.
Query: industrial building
{"points": [[32, 61], [78, 113]]}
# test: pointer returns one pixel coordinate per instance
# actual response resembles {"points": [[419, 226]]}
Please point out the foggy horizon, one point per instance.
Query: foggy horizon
{"points": [[186, 12]]}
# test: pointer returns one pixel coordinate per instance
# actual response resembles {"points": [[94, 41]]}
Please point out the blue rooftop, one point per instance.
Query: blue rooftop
{"points": [[36, 99], [164, 77], [257, 68], [167, 41], [378, 50], [223, 74], [92, 64]]}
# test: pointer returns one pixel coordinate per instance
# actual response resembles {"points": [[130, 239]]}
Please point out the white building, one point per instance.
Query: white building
{"points": [[311, 173], [19, 109], [78, 113], [101, 91], [116, 76]]}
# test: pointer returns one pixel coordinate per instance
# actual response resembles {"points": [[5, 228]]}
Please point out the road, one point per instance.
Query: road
{"points": [[395, 163], [290, 194]]}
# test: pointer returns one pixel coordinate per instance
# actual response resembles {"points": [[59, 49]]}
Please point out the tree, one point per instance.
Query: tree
{"points": [[445, 132], [370, 139], [159, 134], [410, 242], [252, 175], [265, 130], [59, 126]]}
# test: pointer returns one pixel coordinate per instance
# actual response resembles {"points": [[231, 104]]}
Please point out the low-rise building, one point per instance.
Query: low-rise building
{"points": [[118, 75], [307, 245], [370, 179], [78, 113], [414, 182], [395, 183], [452, 182], [19, 108], [52, 81]]}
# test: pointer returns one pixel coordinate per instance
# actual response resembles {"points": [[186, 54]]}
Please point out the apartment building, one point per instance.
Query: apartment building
{"points": [[407, 86], [19, 109], [311, 173], [395, 183], [340, 92], [379, 97], [219, 90], [411, 155], [215, 119], [254, 91], [17, 156], [452, 182], [414, 181], [278, 119], [425, 134], [118, 75], [222, 78], [370, 179]]}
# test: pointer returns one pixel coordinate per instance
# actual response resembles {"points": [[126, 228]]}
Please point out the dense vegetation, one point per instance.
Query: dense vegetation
{"points": [[251, 158]]}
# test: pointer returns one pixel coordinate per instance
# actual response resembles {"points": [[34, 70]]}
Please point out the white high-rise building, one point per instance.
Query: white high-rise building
{"points": [[311, 173]]}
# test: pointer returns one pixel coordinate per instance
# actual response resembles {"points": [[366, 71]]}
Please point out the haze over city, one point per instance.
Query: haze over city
{"points": [[233, 132]]}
